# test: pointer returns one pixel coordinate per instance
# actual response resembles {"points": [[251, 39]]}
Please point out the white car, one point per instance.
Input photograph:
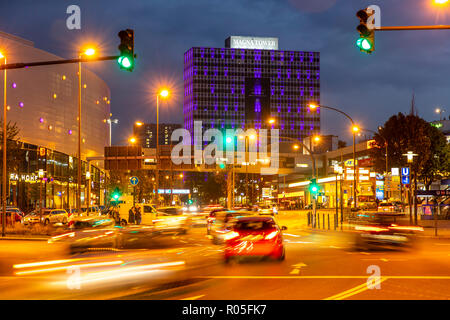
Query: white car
{"points": [[32, 217], [52, 216]]}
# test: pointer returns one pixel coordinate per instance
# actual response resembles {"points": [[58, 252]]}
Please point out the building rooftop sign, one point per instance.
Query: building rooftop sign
{"points": [[239, 42]]}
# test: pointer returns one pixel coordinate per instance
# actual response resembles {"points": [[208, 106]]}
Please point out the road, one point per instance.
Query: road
{"points": [[319, 265]]}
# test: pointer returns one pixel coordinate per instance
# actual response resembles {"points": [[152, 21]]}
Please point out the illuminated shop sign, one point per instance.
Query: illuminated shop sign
{"points": [[23, 177]]}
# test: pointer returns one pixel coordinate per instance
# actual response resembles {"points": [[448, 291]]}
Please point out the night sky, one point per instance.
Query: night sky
{"points": [[370, 88]]}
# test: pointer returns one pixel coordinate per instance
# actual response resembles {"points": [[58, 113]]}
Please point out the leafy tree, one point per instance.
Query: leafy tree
{"points": [[411, 133], [13, 145], [341, 144]]}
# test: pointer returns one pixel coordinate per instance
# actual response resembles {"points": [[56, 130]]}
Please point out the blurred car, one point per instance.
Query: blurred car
{"points": [[52, 216], [381, 230], [255, 236], [310, 206], [200, 218], [366, 204], [267, 210], [171, 219], [388, 207], [88, 233], [31, 218], [222, 222]]}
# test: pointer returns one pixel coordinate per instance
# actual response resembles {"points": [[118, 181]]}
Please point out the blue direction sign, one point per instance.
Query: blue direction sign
{"points": [[405, 176], [134, 181]]}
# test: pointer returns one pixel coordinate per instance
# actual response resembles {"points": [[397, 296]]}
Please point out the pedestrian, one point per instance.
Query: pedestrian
{"points": [[131, 215], [138, 215]]}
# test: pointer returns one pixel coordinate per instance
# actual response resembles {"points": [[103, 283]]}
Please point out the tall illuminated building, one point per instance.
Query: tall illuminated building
{"points": [[248, 82]]}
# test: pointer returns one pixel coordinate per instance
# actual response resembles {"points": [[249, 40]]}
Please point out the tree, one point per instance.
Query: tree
{"points": [[411, 133], [13, 145], [341, 144]]}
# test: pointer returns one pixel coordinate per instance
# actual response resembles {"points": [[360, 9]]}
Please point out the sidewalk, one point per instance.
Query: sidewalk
{"points": [[25, 237]]}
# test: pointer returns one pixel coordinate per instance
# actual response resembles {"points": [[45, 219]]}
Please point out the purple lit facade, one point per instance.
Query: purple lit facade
{"points": [[243, 88]]}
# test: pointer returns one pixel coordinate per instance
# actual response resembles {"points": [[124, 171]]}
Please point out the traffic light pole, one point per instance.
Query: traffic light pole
{"points": [[52, 62], [402, 28]]}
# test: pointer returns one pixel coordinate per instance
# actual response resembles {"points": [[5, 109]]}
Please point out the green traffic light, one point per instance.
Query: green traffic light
{"points": [[314, 189], [364, 44], [222, 166], [125, 62], [228, 139]]}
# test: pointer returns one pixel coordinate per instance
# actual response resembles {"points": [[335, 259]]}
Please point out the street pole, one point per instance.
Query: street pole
{"points": [[88, 186], [79, 141], [354, 170], [157, 149], [415, 196], [4, 154]]}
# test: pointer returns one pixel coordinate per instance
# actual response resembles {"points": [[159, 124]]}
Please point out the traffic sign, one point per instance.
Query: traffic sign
{"points": [[405, 180], [405, 171], [134, 181]]}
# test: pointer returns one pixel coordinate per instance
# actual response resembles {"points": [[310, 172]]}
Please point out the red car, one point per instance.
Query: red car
{"points": [[255, 236]]}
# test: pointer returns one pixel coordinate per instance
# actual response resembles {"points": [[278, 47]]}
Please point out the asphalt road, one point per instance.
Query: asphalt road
{"points": [[318, 265]]}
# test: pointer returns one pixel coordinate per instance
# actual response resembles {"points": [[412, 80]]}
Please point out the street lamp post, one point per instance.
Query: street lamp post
{"points": [[410, 158], [440, 111], [163, 93], [4, 184], [87, 52], [355, 129], [110, 122]]}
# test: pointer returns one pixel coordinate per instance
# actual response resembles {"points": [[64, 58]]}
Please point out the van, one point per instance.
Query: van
{"points": [[148, 212]]}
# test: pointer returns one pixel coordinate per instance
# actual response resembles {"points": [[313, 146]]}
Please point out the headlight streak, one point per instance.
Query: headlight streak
{"points": [[122, 273], [85, 265]]}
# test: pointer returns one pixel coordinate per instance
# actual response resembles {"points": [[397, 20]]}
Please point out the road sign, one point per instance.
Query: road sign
{"points": [[405, 180], [405, 171], [134, 181]]}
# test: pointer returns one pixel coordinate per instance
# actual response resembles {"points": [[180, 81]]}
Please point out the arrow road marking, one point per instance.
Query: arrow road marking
{"points": [[297, 268]]}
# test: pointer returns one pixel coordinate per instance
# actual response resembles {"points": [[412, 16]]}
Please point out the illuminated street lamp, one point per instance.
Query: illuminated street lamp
{"points": [[5, 136], [132, 140], [110, 122], [440, 111], [410, 158], [86, 52], [163, 93], [138, 123], [354, 129]]}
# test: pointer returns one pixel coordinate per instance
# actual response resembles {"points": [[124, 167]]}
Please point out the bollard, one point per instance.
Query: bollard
{"points": [[328, 218], [323, 221], [318, 221]]}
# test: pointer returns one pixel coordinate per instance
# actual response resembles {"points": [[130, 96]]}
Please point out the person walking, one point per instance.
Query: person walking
{"points": [[131, 215], [138, 215]]}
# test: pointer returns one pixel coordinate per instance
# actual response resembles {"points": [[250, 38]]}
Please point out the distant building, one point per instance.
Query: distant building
{"points": [[248, 82], [145, 133]]}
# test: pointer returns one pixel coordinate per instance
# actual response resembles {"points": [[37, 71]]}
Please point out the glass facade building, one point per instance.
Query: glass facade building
{"points": [[242, 88]]}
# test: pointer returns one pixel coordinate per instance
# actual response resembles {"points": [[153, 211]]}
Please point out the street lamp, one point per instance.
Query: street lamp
{"points": [[164, 93], [410, 158], [247, 149], [110, 122], [5, 137], [132, 140], [355, 129], [440, 111], [87, 52]]}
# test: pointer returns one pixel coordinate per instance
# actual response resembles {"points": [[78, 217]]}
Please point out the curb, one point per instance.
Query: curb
{"points": [[25, 239]]}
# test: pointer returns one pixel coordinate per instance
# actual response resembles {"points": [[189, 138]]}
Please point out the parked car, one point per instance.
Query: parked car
{"points": [[52, 216], [31, 218], [254, 236]]}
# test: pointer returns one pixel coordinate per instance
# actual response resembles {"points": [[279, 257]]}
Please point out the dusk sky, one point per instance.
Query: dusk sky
{"points": [[370, 88]]}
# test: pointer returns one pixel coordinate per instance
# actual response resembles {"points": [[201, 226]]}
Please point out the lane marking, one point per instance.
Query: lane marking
{"points": [[194, 298], [297, 268], [323, 277], [355, 290]]}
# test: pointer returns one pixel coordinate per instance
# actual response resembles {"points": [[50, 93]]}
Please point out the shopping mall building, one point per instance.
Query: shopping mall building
{"points": [[43, 103]]}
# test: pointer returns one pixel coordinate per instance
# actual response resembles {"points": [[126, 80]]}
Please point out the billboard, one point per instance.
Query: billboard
{"points": [[263, 43]]}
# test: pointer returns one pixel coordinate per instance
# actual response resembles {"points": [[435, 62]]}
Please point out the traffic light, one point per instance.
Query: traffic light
{"points": [[313, 187], [366, 41], [126, 47], [190, 201], [115, 195]]}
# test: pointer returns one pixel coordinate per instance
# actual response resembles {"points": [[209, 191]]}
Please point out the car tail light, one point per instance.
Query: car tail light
{"points": [[271, 235], [231, 235]]}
